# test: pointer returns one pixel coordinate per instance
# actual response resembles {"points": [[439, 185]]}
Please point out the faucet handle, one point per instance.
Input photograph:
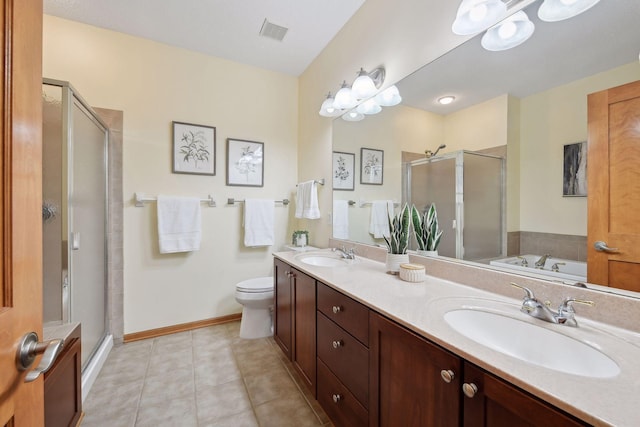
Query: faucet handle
{"points": [[527, 291], [523, 261], [567, 305]]}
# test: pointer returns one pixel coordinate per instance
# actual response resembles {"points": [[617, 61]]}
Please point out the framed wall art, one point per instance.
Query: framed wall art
{"points": [[344, 165], [245, 163], [194, 149], [371, 166], [574, 174]]}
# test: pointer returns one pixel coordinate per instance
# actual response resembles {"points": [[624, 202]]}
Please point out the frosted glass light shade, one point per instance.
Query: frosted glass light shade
{"points": [[363, 87], [370, 106], [344, 99], [475, 16], [558, 10], [327, 109], [352, 116], [389, 97], [509, 33]]}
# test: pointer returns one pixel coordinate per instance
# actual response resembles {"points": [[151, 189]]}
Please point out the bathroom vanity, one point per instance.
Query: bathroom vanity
{"points": [[385, 356]]}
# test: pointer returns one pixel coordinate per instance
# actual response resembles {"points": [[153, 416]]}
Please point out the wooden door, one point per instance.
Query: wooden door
{"points": [[614, 187], [21, 404], [283, 310]]}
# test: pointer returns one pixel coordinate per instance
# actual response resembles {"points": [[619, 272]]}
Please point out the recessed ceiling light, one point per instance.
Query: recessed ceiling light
{"points": [[445, 100]]}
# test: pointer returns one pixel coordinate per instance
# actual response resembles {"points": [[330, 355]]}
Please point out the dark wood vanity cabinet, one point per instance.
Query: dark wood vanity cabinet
{"points": [[295, 320]]}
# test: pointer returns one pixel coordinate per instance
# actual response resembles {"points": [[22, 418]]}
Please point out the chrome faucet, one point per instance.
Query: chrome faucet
{"points": [[556, 267], [346, 253], [540, 263], [564, 316], [523, 261]]}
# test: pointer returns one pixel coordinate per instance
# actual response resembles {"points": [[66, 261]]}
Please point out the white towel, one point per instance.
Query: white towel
{"points": [[340, 219], [380, 212], [179, 224], [258, 222], [307, 201]]}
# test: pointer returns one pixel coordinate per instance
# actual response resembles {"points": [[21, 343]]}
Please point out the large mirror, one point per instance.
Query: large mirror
{"points": [[527, 105]]}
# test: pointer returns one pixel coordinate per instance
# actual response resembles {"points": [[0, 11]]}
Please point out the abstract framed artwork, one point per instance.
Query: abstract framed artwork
{"points": [[194, 149], [344, 165], [574, 174], [371, 166], [245, 163]]}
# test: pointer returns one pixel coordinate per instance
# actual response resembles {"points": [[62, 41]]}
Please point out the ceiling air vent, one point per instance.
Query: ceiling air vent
{"points": [[273, 31]]}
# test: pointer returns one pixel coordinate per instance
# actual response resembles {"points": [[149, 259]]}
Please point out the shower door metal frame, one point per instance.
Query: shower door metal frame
{"points": [[70, 97]]}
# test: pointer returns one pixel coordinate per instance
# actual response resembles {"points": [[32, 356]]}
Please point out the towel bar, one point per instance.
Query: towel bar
{"points": [[141, 199], [364, 203], [317, 181], [232, 201]]}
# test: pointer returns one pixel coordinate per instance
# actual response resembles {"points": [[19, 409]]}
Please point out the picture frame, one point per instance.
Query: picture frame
{"points": [[194, 149], [245, 163], [371, 166], [574, 170], [343, 171]]}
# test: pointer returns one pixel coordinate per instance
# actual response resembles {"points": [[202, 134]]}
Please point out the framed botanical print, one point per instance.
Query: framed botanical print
{"points": [[245, 163], [194, 149], [371, 166], [343, 170]]}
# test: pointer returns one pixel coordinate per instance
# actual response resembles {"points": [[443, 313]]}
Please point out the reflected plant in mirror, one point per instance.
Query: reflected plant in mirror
{"points": [[426, 229]]}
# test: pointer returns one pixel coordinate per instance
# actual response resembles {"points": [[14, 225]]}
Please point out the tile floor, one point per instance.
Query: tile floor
{"points": [[205, 377]]}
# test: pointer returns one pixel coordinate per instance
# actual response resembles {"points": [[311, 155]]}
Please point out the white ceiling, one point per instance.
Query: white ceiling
{"points": [[223, 28]]}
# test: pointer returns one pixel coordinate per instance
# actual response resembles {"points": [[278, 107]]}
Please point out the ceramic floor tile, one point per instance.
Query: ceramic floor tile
{"points": [[240, 345], [270, 386], [222, 401], [106, 398], [257, 362], [215, 371], [120, 419], [162, 363], [291, 412], [178, 382], [245, 419], [168, 412]]}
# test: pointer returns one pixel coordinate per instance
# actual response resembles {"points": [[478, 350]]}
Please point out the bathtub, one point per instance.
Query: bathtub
{"points": [[571, 270]]}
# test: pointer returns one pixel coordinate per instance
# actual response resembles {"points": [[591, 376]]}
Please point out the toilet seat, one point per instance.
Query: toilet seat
{"points": [[257, 285]]}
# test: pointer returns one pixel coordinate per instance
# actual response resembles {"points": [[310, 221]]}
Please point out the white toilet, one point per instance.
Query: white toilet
{"points": [[256, 297]]}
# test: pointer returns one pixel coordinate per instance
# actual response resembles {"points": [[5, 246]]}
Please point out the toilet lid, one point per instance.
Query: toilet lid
{"points": [[260, 284]]}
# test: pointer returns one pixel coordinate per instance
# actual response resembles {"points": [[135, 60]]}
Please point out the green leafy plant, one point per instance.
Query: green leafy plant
{"points": [[426, 228], [399, 225], [297, 233]]}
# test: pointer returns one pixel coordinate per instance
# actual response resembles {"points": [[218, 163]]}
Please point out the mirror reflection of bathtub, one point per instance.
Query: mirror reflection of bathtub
{"points": [[553, 267]]}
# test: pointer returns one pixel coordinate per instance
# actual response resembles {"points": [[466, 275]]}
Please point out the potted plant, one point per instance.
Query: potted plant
{"points": [[300, 238], [398, 240], [426, 230]]}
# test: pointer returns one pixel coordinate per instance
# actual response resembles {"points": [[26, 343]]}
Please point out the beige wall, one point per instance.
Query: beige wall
{"points": [[551, 119], [155, 84]]}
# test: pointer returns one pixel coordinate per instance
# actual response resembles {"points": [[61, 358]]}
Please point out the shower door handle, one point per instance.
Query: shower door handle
{"points": [[29, 348]]}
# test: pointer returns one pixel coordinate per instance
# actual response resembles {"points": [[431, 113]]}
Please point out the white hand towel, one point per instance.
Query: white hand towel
{"points": [[340, 219], [380, 211], [258, 222], [307, 201], [179, 224]]}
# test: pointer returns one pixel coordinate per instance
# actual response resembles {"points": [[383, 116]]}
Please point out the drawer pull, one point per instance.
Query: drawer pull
{"points": [[338, 344], [336, 398], [447, 375], [469, 389], [337, 309]]}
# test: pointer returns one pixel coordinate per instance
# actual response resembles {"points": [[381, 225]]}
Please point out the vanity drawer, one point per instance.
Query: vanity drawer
{"points": [[337, 401], [346, 312], [347, 358]]}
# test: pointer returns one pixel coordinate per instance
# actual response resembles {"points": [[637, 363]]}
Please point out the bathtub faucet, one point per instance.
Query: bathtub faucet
{"points": [[540, 263]]}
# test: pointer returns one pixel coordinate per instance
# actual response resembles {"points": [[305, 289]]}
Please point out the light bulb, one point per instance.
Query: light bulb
{"points": [[507, 30], [478, 13], [344, 99], [363, 87], [568, 2], [445, 100]]}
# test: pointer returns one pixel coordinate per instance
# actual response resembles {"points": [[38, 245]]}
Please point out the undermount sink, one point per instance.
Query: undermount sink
{"points": [[531, 343], [322, 259]]}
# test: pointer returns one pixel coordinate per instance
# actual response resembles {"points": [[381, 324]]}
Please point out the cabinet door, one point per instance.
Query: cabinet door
{"points": [[497, 403], [283, 313], [304, 357], [406, 381]]}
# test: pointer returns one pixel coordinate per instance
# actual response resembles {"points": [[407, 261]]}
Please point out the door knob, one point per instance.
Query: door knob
{"points": [[29, 348], [602, 247]]}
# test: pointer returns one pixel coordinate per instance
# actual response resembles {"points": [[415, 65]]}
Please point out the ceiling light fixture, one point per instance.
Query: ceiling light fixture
{"points": [[511, 32], [475, 16], [446, 100], [558, 10], [344, 99]]}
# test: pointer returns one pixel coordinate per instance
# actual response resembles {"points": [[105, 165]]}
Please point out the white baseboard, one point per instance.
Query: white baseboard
{"points": [[90, 373]]}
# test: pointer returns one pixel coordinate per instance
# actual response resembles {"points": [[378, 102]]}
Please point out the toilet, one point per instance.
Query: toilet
{"points": [[256, 297]]}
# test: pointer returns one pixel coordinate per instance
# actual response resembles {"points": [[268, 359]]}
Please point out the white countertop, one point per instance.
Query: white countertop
{"points": [[421, 306]]}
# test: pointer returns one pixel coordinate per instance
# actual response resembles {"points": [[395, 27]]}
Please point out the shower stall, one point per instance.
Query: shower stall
{"points": [[468, 189], [74, 211]]}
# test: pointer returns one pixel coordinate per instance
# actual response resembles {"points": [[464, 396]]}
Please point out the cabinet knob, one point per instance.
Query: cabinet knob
{"points": [[337, 344], [337, 309], [447, 375], [336, 398], [469, 389]]}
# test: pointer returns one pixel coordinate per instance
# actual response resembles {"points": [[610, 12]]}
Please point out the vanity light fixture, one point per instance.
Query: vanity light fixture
{"points": [[352, 116], [475, 16], [558, 10], [511, 32], [389, 97], [344, 99], [363, 87], [327, 109], [446, 100], [370, 106]]}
